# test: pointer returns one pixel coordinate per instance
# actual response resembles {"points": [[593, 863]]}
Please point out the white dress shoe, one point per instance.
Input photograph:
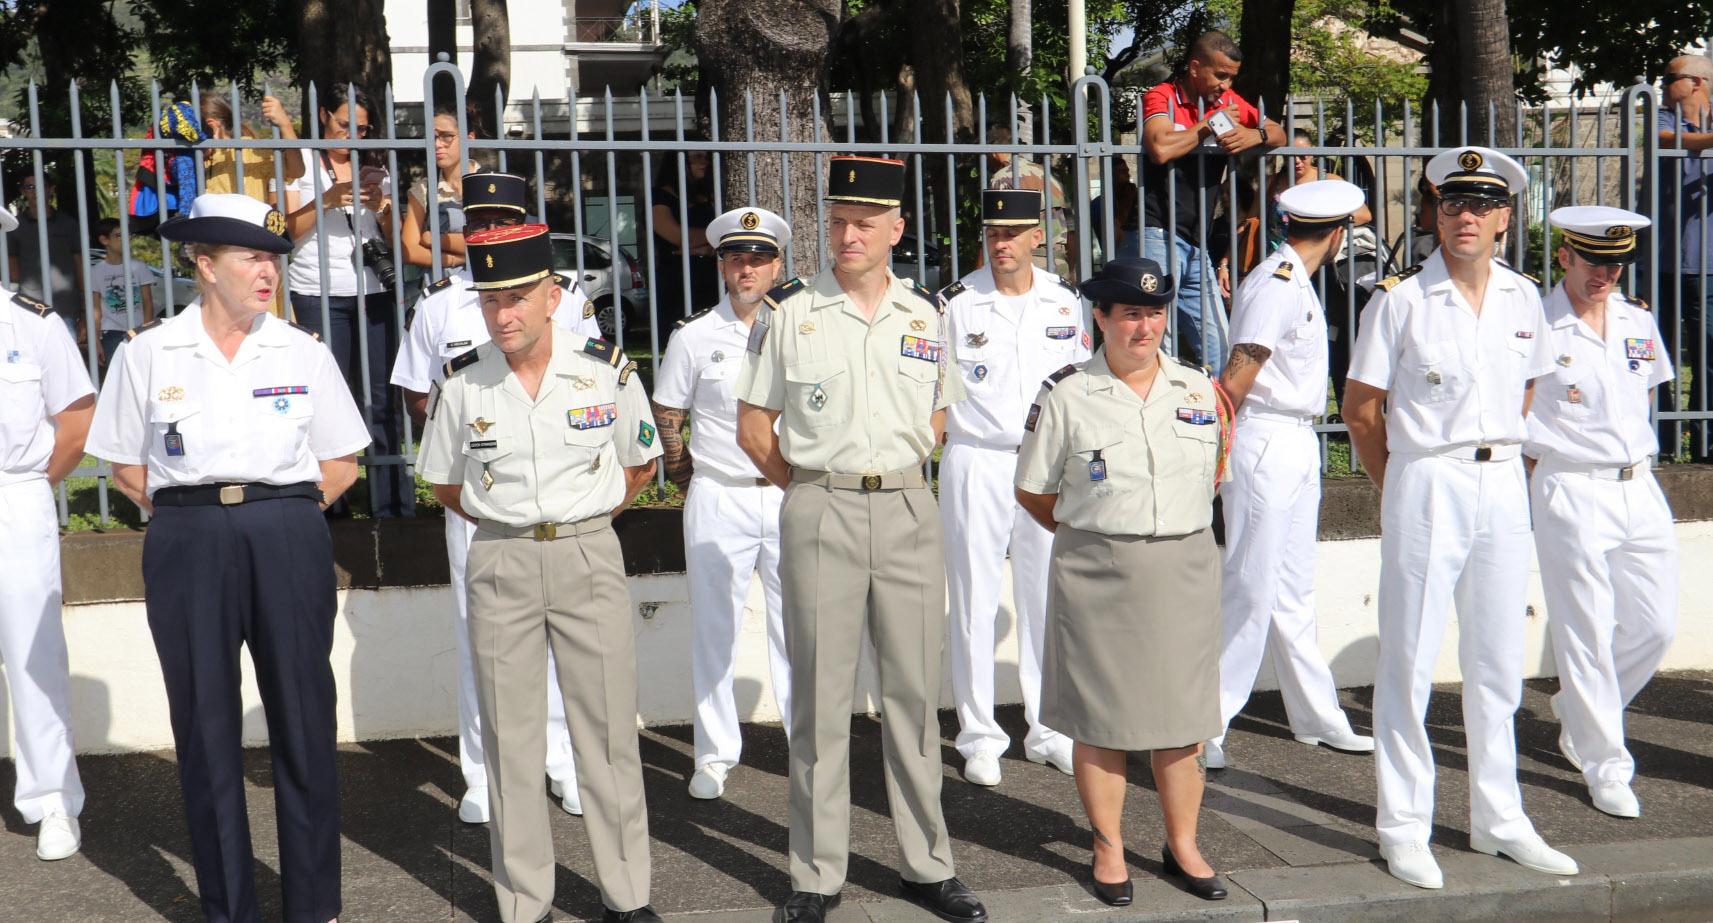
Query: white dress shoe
{"points": [[1059, 757], [1346, 740], [1530, 852], [709, 781], [1616, 799], [58, 837], [982, 769], [1213, 754], [473, 809], [1564, 745], [1413, 863], [569, 798]]}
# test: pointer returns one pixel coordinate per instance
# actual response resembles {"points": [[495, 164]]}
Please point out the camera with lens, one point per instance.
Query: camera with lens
{"points": [[379, 257]]}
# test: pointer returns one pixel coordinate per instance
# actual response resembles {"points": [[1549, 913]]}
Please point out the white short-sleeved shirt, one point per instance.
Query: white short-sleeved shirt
{"points": [[336, 227], [41, 374], [1276, 308], [1593, 408], [448, 322], [271, 415], [558, 457], [699, 373], [1121, 465], [854, 397], [1006, 347], [1453, 378]]}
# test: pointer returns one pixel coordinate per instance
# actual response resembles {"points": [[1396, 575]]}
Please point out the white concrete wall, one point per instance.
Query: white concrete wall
{"points": [[394, 658]]}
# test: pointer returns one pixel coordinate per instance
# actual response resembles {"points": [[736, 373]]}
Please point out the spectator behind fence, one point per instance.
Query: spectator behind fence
{"points": [[1176, 134], [221, 163], [416, 244], [65, 243], [1684, 123], [122, 307], [1011, 170], [671, 239], [1124, 192], [355, 208]]}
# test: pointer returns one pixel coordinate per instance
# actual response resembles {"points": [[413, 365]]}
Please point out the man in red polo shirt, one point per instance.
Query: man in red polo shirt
{"points": [[1186, 162]]}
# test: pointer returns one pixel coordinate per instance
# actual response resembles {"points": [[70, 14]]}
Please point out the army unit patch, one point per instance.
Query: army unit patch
{"points": [[1034, 417], [645, 434]]}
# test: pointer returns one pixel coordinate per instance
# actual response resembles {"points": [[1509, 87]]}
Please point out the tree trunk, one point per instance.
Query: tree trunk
{"points": [[765, 47], [1019, 57], [345, 40], [1266, 73], [1484, 35], [1445, 64], [443, 39], [491, 67], [937, 50]]}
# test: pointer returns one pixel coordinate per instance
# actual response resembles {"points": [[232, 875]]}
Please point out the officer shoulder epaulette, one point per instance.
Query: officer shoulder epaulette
{"points": [[1535, 279], [783, 292], [30, 304], [563, 281], [1283, 271], [132, 333], [1070, 286], [604, 351], [311, 333], [460, 361], [1059, 376], [1632, 299], [443, 283], [625, 373], [685, 322], [953, 290], [927, 294], [1386, 284]]}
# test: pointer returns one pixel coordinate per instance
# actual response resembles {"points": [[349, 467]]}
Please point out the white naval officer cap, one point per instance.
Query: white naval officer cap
{"points": [[230, 219], [1601, 234], [1476, 171], [1322, 203], [748, 230]]}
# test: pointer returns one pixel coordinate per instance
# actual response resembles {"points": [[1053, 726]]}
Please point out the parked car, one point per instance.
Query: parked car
{"points": [[617, 290], [904, 263]]}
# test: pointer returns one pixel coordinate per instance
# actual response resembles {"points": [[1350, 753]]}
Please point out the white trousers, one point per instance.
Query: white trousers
{"points": [[981, 519], [1272, 519], [32, 646], [1608, 556], [561, 765], [731, 535], [1451, 531]]}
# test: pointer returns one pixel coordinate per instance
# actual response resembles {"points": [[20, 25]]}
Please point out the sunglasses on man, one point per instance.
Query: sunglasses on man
{"points": [[1670, 79]]}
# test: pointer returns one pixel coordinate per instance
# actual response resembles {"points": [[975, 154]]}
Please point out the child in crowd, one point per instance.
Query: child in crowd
{"points": [[120, 311]]}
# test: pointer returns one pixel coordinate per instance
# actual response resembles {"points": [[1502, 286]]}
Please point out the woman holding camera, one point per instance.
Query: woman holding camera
{"points": [[352, 195]]}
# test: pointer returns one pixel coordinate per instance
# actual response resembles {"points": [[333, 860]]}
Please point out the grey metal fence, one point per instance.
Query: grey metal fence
{"points": [[599, 180]]}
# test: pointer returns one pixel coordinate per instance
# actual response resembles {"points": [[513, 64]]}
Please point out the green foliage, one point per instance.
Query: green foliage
{"points": [[1327, 62], [677, 32]]}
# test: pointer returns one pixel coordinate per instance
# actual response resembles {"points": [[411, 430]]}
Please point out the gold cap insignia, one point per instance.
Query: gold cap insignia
{"points": [[481, 426], [490, 261], [1619, 231], [275, 223], [918, 325], [492, 189], [172, 393], [1149, 282], [852, 177], [999, 205], [1469, 160], [750, 221]]}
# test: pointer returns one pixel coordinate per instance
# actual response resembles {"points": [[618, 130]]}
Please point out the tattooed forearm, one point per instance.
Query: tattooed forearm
{"points": [[675, 456], [1242, 356]]}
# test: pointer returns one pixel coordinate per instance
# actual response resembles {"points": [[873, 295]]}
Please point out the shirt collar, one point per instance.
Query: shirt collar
{"points": [[726, 314], [1302, 275], [1101, 377]]}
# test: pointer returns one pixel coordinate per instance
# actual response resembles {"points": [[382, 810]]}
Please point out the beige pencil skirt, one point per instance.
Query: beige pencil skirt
{"points": [[1132, 646]]}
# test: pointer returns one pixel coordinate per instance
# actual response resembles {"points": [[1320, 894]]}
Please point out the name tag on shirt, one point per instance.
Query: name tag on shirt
{"points": [[920, 348], [1197, 417], [1637, 348], [1061, 333], [458, 344], [484, 443], [592, 417]]}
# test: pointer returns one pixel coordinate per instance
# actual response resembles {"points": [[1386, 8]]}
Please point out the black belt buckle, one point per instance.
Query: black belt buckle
{"points": [[1627, 474], [1484, 453], [231, 494], [871, 482]]}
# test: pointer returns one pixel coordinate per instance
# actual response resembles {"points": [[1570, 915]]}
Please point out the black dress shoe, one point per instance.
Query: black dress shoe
{"points": [[948, 900], [808, 907], [1210, 888], [643, 914], [1116, 895]]}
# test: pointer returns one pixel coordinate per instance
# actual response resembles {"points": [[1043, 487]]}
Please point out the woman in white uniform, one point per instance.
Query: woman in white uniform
{"points": [[1119, 461], [234, 429], [1603, 529]]}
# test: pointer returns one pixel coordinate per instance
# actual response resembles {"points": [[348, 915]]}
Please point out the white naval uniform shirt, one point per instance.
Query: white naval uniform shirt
{"points": [[1593, 408], [271, 415], [1006, 347], [448, 323], [41, 374], [855, 397], [557, 457], [1453, 378], [699, 372], [1276, 308]]}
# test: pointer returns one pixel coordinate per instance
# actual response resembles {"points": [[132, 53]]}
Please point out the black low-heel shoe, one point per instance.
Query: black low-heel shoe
{"points": [[1208, 889], [1118, 895]]}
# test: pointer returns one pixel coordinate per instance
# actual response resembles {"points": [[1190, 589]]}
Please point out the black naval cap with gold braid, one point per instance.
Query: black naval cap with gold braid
{"points": [[496, 190], [865, 181], [509, 257], [1010, 207]]}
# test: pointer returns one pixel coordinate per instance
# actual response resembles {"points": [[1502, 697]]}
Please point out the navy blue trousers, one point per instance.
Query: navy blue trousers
{"points": [[258, 575]]}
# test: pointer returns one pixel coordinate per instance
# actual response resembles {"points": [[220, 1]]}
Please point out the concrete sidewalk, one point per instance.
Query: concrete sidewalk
{"points": [[1291, 827]]}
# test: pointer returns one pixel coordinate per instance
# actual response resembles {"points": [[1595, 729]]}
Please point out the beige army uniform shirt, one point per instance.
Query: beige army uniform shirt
{"points": [[556, 458], [1121, 465], [854, 397]]}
